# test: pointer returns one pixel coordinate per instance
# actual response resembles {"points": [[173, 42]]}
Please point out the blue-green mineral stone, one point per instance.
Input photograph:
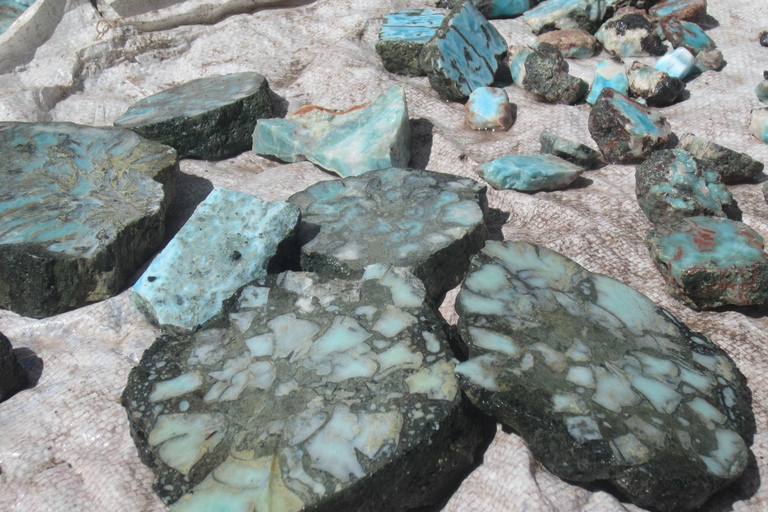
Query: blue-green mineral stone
{"points": [[375, 136], [81, 209], [688, 10], [464, 54], [677, 63], [574, 152], [758, 124], [210, 118], [687, 35], [608, 74], [561, 14], [508, 8], [488, 108], [710, 262], [402, 38], [529, 173], [10, 10], [230, 239], [762, 91]]}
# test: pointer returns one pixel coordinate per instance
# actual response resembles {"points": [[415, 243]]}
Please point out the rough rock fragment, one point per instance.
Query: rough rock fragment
{"points": [[758, 124], [710, 262], [562, 14], [430, 223], [763, 38], [488, 108], [687, 10], [762, 91], [209, 118], [536, 72], [574, 152], [608, 74], [657, 88], [687, 35], [624, 130], [363, 138], [709, 60], [671, 186], [81, 209], [10, 10], [402, 38], [600, 382], [13, 376], [553, 53], [529, 173], [678, 63], [631, 35], [321, 394], [573, 43], [230, 239], [731, 165]]}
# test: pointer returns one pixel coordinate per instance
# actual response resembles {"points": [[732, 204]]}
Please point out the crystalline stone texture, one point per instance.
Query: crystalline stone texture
{"points": [[431, 223], [562, 14], [12, 375], [402, 38], [631, 35], [608, 74], [657, 88], [209, 118], [731, 165], [321, 394], [529, 173], [81, 209], [599, 381], [574, 152]]}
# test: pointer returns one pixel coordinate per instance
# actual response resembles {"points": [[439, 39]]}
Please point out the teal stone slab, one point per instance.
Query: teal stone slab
{"points": [[361, 139], [758, 124], [608, 74], [632, 34], [210, 118], [529, 173], [488, 108], [710, 262], [731, 165], [81, 209], [677, 63], [464, 54], [687, 35], [563, 14], [687, 10], [10, 10], [230, 239], [574, 152], [402, 38], [600, 382], [508, 8], [657, 88]]}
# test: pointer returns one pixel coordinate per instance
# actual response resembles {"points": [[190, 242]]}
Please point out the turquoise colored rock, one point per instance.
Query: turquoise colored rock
{"points": [[81, 209], [731, 165], [762, 91], [544, 76], [10, 10], [758, 124], [573, 43], [687, 35], [373, 136], [529, 173], [678, 63], [687, 10], [464, 54], [230, 239], [402, 38], [488, 108], [657, 88], [631, 34], [561, 14], [608, 74], [508, 8], [710, 262], [210, 118], [569, 150]]}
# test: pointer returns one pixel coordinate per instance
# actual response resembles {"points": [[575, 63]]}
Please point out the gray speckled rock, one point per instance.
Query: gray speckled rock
{"points": [[731, 165], [600, 382], [537, 72], [81, 209], [631, 34], [322, 394], [569, 150], [13, 377], [657, 88], [709, 60], [210, 118]]}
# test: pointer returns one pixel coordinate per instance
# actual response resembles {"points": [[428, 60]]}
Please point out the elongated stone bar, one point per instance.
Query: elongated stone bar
{"points": [[230, 239], [600, 382], [81, 209], [731, 165], [372, 136], [402, 38], [563, 14], [529, 173], [210, 118], [320, 394], [431, 223], [574, 152], [677, 63]]}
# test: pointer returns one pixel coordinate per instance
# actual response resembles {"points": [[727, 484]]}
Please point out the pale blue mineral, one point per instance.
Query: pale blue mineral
{"points": [[687, 35], [488, 108], [402, 38], [561, 14], [508, 8], [230, 239], [631, 34], [677, 63], [569, 150], [373, 136], [10, 10], [529, 173], [608, 74], [758, 124], [762, 91], [464, 54], [657, 88]]}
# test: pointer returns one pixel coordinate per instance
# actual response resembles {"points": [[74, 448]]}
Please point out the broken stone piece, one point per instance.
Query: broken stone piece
{"points": [[709, 60], [536, 72], [430, 223], [529, 173], [573, 43], [657, 88], [372, 136], [671, 186], [763, 37], [677, 63], [710, 262], [505, 8], [553, 53], [574, 152], [762, 91], [210, 118], [600, 382], [230, 239], [13, 376], [563, 14], [608, 73], [686, 10], [81, 209], [624, 130], [402, 38], [631, 34], [10, 10], [687, 35], [758, 124], [319, 394], [731, 165], [488, 108]]}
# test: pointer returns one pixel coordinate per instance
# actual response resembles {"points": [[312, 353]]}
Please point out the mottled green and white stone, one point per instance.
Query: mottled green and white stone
{"points": [[230, 239], [431, 223], [81, 209], [731, 165], [210, 118], [600, 382], [321, 394]]}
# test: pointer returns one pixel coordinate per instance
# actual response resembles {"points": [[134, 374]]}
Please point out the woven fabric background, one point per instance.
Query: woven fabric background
{"points": [[65, 444]]}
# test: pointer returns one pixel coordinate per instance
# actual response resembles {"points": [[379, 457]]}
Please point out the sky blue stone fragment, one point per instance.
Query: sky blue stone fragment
{"points": [[508, 8], [375, 136], [529, 173], [758, 124], [687, 35], [402, 38], [488, 108], [10, 10], [677, 63], [608, 74], [561, 14], [231, 239]]}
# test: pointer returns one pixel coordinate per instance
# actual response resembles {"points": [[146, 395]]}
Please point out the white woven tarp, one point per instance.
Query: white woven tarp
{"points": [[65, 445]]}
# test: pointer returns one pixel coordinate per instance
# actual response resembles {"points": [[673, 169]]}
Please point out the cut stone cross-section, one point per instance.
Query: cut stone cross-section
{"points": [[402, 38]]}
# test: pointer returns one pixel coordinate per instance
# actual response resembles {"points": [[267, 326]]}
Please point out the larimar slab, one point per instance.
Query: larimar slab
{"points": [[402, 38], [657, 88], [230, 239], [608, 74], [209, 118], [574, 152], [372, 136], [677, 63], [758, 124], [508, 8], [632, 34], [561, 14], [731, 165], [688, 10], [315, 394], [529, 173], [464, 54], [600, 382], [488, 108], [687, 35], [710, 262], [81, 209], [573, 43]]}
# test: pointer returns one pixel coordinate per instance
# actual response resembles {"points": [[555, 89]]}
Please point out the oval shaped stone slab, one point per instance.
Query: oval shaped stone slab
{"points": [[323, 394], [209, 118], [431, 223], [600, 382], [81, 209]]}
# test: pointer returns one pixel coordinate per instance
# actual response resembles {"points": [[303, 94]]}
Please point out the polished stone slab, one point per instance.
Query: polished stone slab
{"points": [[402, 38]]}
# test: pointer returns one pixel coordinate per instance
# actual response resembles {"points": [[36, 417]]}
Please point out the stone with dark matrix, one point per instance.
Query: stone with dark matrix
{"points": [[600, 382], [430, 223], [631, 34], [763, 38], [731, 165], [209, 118], [574, 152], [657, 88], [535, 71], [561, 14], [529, 173], [688, 35], [573, 43], [320, 394], [709, 60], [402, 38], [671, 186], [687, 10], [13, 376], [81, 209], [710, 262]]}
